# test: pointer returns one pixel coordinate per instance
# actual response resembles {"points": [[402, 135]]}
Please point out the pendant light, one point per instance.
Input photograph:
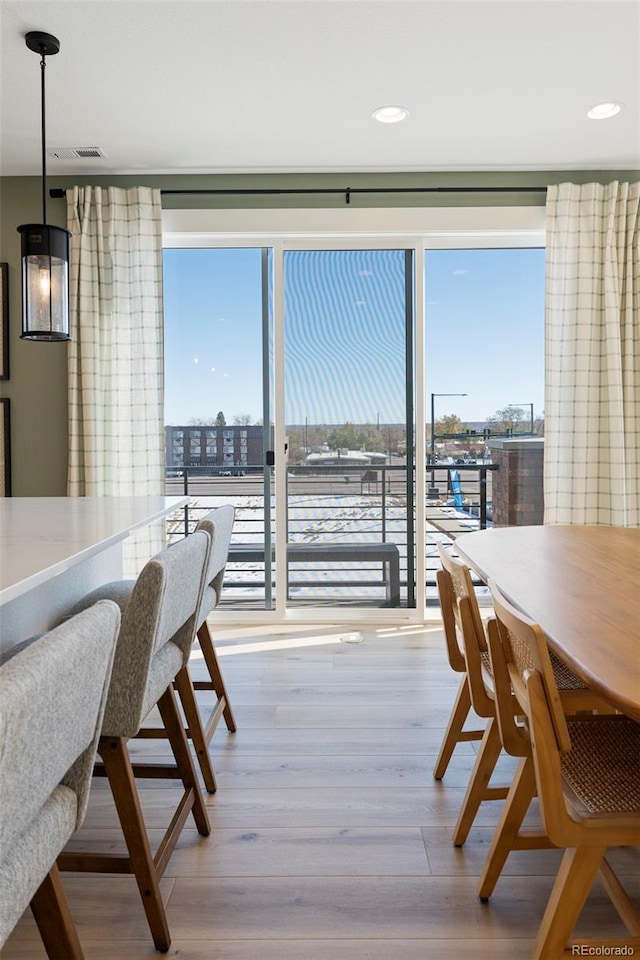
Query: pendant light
{"points": [[45, 249]]}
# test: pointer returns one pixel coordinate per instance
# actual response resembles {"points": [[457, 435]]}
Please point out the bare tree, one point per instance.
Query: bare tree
{"points": [[509, 418]]}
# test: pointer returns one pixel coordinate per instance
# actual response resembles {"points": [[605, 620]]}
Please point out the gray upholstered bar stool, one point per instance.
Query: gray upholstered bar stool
{"points": [[219, 525], [158, 627], [52, 699]]}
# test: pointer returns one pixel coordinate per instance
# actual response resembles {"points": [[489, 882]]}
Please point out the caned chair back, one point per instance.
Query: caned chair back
{"points": [[465, 622], [462, 586], [218, 524], [448, 609], [158, 628], [453, 640], [525, 650]]}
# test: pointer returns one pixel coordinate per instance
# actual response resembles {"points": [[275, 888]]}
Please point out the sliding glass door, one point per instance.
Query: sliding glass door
{"points": [[218, 403], [349, 424], [345, 396], [344, 380]]}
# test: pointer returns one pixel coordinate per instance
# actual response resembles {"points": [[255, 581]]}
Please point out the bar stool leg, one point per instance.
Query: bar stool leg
{"points": [[172, 721], [197, 736], [51, 913], [117, 765], [217, 680]]}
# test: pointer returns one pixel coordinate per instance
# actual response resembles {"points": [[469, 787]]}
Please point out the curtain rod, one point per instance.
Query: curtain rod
{"points": [[58, 193]]}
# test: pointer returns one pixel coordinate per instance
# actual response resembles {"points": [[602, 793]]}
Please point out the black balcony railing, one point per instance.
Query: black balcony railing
{"points": [[337, 504]]}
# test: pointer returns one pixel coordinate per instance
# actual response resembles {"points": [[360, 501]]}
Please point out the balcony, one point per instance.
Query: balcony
{"points": [[335, 505]]}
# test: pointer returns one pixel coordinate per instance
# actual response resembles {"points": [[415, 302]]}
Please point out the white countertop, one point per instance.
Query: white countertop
{"points": [[41, 537]]}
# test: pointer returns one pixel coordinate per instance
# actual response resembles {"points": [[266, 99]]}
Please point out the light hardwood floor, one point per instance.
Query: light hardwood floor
{"points": [[330, 839]]}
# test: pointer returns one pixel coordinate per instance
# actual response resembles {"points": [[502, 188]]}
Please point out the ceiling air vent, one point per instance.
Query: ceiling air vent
{"points": [[76, 153]]}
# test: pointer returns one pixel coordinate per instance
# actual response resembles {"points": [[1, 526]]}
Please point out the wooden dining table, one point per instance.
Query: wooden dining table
{"points": [[581, 584]]}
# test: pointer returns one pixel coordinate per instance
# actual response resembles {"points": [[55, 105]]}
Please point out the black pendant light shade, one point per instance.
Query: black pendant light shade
{"points": [[45, 249], [45, 282]]}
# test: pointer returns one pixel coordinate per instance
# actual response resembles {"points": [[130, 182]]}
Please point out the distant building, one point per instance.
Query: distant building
{"points": [[227, 447]]}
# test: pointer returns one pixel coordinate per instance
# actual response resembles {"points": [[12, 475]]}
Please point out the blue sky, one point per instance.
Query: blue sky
{"points": [[344, 333]]}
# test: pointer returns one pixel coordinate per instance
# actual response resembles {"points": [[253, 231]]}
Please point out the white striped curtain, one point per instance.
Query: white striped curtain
{"points": [[116, 363], [592, 405]]}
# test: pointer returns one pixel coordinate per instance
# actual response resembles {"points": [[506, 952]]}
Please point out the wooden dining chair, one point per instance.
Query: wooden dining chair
{"points": [[158, 628], [502, 732], [53, 693], [455, 732], [576, 700], [467, 652], [587, 774]]}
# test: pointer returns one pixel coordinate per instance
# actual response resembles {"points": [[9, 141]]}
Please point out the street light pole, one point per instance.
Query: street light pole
{"points": [[530, 405], [433, 491]]}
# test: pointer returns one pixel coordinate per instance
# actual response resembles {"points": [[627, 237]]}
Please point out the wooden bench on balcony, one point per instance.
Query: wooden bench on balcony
{"points": [[385, 553]]}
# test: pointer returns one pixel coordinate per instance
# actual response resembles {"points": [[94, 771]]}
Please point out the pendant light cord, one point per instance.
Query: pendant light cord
{"points": [[44, 137]]}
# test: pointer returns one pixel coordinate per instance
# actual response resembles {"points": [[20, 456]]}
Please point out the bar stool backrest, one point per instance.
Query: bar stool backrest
{"points": [[52, 698], [159, 623], [219, 525]]}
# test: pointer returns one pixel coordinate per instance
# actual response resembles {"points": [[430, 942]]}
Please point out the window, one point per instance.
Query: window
{"points": [[484, 337], [476, 292]]}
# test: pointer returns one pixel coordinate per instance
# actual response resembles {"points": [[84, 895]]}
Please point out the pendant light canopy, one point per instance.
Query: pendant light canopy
{"points": [[45, 249]]}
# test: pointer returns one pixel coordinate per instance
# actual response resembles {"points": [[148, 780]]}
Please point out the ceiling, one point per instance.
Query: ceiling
{"points": [[271, 86]]}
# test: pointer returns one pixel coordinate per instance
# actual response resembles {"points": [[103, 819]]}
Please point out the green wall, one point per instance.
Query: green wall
{"points": [[37, 386]]}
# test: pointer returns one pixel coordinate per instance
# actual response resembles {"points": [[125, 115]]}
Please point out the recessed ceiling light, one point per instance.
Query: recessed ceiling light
{"points": [[390, 114], [602, 111]]}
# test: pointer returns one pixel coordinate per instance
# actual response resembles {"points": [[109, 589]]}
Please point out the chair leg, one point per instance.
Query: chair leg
{"points": [[573, 883], [115, 756], [453, 733], [172, 721], [213, 666], [51, 913], [620, 899], [196, 734], [521, 793], [478, 788]]}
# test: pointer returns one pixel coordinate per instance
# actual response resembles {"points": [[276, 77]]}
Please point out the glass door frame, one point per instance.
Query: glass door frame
{"points": [[276, 248], [413, 246], [339, 229]]}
